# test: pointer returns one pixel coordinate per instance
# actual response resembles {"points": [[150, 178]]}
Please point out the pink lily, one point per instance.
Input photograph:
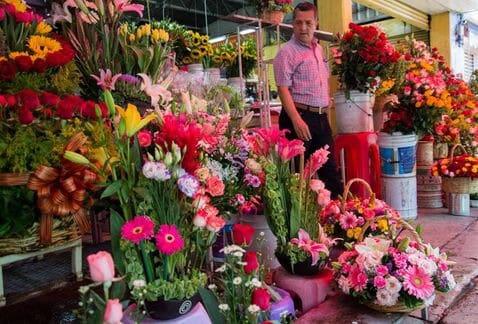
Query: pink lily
{"points": [[106, 80], [126, 6], [290, 149], [156, 91], [313, 248]]}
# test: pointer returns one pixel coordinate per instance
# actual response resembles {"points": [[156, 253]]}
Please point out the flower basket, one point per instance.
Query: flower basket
{"points": [[464, 185], [273, 16]]}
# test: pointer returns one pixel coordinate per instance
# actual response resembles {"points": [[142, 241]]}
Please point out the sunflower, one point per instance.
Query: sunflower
{"points": [[204, 40], [19, 5], [187, 60], [42, 45], [203, 50], [196, 39], [217, 59], [43, 28], [195, 54]]}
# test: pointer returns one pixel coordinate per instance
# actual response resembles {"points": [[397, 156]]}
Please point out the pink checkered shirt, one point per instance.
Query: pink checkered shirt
{"points": [[303, 69]]}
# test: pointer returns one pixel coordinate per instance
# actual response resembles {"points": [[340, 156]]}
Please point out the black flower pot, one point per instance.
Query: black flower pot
{"points": [[170, 309], [304, 268]]}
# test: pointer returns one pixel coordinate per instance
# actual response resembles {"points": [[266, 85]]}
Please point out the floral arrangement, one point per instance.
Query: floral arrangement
{"points": [[249, 59], [199, 47], [460, 166], [392, 78], [447, 130], [362, 57], [273, 5], [393, 274]]}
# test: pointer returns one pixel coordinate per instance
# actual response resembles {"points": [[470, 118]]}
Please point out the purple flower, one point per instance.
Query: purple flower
{"points": [[156, 170], [188, 185], [130, 79], [252, 180]]}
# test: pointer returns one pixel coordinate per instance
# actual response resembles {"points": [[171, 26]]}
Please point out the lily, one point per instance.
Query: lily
{"points": [[156, 91], [133, 121], [126, 6], [305, 243], [106, 80]]}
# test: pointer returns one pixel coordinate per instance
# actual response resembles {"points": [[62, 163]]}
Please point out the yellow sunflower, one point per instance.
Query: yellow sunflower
{"points": [[196, 39], [187, 60], [195, 54], [203, 50], [19, 5], [204, 40], [43, 28], [42, 45]]}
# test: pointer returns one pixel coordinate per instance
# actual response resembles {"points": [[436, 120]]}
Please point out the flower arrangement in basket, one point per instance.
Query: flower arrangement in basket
{"points": [[361, 58], [346, 217], [273, 10], [459, 173], [393, 273], [292, 201]]}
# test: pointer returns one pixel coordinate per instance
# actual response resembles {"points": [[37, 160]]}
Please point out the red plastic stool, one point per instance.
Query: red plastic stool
{"points": [[358, 157]]}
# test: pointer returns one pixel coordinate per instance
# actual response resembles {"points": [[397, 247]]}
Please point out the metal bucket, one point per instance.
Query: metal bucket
{"points": [[459, 204]]}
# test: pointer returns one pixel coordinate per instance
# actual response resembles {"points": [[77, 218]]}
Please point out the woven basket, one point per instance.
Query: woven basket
{"points": [[459, 184], [14, 179]]}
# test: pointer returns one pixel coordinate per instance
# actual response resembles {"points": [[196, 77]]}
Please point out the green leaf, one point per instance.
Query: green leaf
{"points": [[118, 290], [111, 189], [210, 303], [116, 221]]}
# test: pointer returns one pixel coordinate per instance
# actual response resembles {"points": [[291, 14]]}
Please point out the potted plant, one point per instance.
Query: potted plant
{"points": [[360, 59], [273, 11]]}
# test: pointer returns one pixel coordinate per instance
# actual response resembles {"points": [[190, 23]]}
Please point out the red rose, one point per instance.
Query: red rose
{"points": [[25, 116], [144, 138], [88, 109], [67, 106], [24, 17], [242, 234], [39, 65], [24, 63], [11, 100], [28, 99], [261, 298], [7, 70], [3, 101], [49, 99], [252, 264]]}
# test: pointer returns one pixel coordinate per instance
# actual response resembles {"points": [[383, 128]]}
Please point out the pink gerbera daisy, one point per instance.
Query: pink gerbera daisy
{"points": [[358, 278], [169, 240], [138, 229], [348, 220], [417, 283]]}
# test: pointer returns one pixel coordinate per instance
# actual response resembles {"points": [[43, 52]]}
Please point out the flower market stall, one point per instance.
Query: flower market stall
{"points": [[212, 220]]}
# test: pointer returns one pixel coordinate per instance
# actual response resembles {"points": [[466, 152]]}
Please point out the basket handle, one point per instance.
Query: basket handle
{"points": [[452, 154], [400, 221], [351, 182]]}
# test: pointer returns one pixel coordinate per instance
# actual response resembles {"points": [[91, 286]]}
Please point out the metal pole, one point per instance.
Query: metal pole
{"points": [[239, 57], [205, 17]]}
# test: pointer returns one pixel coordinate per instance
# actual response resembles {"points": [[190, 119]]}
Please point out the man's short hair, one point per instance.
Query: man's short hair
{"points": [[305, 6]]}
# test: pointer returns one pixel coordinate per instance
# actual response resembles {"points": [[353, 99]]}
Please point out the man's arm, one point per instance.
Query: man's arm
{"points": [[300, 127]]}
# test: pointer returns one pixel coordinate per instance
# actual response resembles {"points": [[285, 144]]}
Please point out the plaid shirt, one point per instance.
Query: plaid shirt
{"points": [[303, 69]]}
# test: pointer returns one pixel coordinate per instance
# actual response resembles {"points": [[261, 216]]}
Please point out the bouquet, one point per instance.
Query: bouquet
{"points": [[393, 273], [249, 59], [362, 57], [199, 47]]}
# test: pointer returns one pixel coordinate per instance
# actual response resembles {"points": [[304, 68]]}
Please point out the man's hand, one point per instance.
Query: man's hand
{"points": [[301, 129]]}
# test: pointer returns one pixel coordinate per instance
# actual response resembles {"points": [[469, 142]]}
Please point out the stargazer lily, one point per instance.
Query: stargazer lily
{"points": [[132, 119]]}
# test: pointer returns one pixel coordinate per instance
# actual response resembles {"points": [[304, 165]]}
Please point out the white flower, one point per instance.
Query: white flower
{"points": [[237, 281], [212, 287], [429, 301], [262, 233], [223, 307], [256, 282], [385, 298], [253, 309], [393, 286], [451, 280], [344, 284], [231, 249], [238, 254], [221, 268], [139, 283], [428, 266], [241, 263]]}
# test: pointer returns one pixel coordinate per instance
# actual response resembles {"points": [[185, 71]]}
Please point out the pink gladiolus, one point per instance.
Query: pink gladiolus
{"points": [[126, 6], [313, 248], [106, 80], [316, 161]]}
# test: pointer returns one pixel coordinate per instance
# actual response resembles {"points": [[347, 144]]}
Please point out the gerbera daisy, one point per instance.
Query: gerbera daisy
{"points": [[348, 220], [19, 5], [358, 278], [42, 45], [138, 229], [417, 283], [169, 240]]}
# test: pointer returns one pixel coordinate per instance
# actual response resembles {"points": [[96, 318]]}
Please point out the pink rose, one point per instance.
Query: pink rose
{"points": [[113, 312], [379, 282], [215, 223], [200, 219], [316, 185], [144, 138], [102, 267], [215, 186], [381, 270]]}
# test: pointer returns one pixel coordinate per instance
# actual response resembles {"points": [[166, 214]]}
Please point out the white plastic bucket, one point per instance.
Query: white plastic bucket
{"points": [[195, 68], [269, 242], [354, 115], [398, 154], [459, 204], [401, 194], [212, 75], [237, 84]]}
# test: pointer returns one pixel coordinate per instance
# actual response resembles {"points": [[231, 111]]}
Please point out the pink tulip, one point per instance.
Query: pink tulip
{"points": [[113, 312], [102, 267]]}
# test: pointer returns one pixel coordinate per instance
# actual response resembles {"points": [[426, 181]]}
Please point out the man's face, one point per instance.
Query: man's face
{"points": [[304, 26]]}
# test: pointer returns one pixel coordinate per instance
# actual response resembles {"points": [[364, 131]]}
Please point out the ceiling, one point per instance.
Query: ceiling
{"points": [[431, 7]]}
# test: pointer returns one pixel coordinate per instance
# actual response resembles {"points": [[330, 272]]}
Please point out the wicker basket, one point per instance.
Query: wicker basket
{"points": [[459, 184]]}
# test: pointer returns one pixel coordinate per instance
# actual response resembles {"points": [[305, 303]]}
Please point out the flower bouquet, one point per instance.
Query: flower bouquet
{"points": [[248, 60], [346, 218], [393, 273], [459, 173], [199, 47], [292, 200]]}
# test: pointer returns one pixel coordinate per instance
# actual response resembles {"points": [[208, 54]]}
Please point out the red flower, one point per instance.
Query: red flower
{"points": [[2, 14], [28, 99], [10, 9], [61, 57], [242, 234], [7, 70], [261, 298], [47, 112], [24, 17], [49, 99], [39, 65], [88, 109], [11, 100], [252, 264], [144, 138], [67, 106], [25, 116], [24, 63], [3, 101]]}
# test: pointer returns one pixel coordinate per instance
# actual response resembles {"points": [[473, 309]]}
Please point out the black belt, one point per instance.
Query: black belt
{"points": [[320, 110]]}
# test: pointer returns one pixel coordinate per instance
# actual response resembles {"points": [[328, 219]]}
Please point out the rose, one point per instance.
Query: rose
{"points": [[101, 266], [202, 174], [252, 264], [215, 186], [24, 63], [7, 70], [25, 116], [113, 312], [248, 208], [145, 138], [242, 234], [49, 99], [215, 223], [261, 298]]}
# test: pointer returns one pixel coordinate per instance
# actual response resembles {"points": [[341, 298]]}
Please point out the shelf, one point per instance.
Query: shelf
{"points": [[254, 21]]}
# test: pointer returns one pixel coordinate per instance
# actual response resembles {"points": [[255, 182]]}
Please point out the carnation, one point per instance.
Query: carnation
{"points": [[386, 298]]}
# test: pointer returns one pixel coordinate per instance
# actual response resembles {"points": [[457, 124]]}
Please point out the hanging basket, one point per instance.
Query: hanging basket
{"points": [[464, 185], [275, 17]]}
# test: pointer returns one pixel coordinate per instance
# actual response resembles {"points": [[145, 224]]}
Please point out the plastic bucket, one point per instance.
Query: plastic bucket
{"points": [[212, 76], [237, 84], [354, 115], [265, 245], [459, 204], [195, 68], [401, 194], [398, 154]]}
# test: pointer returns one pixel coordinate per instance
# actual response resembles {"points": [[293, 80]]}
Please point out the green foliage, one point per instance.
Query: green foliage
{"points": [[23, 80], [66, 80], [18, 212], [179, 288]]}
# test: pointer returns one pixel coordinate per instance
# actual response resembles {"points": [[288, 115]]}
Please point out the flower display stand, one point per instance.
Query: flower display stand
{"points": [[76, 261], [312, 290], [197, 315]]}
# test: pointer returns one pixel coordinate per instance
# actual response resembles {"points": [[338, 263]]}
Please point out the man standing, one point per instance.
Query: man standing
{"points": [[301, 75]]}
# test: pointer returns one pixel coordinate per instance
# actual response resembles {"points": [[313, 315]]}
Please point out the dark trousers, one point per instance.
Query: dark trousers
{"points": [[321, 135]]}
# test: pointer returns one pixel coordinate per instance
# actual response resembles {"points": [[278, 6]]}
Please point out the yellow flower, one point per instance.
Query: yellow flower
{"points": [[382, 223], [133, 120], [123, 30], [42, 45], [19, 5], [204, 40], [160, 35], [132, 37], [3, 58], [43, 28], [196, 39], [13, 55], [139, 33], [195, 54], [354, 232], [187, 60]]}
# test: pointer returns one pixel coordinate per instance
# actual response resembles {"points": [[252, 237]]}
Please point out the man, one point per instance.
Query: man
{"points": [[301, 75]]}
